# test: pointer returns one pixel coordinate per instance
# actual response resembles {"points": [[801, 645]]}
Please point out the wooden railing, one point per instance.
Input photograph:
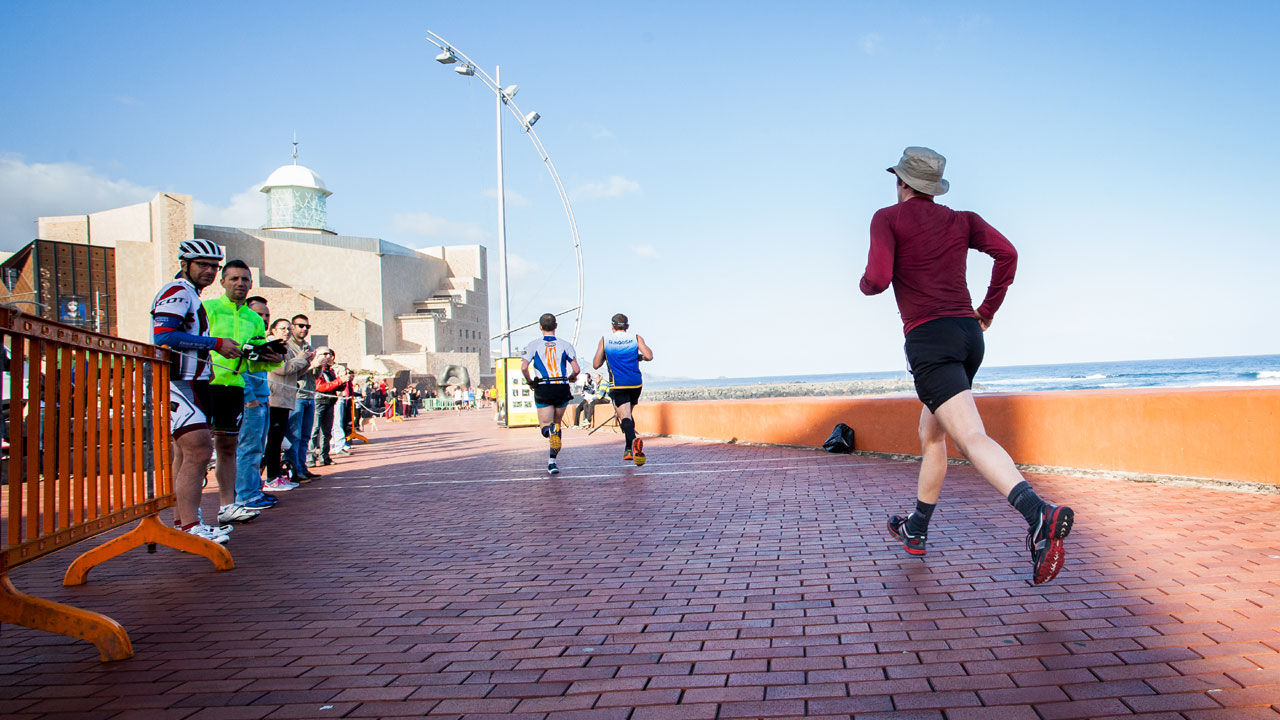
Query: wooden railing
{"points": [[90, 450]]}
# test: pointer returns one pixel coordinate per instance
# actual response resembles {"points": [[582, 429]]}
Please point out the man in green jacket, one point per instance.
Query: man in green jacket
{"points": [[231, 317]]}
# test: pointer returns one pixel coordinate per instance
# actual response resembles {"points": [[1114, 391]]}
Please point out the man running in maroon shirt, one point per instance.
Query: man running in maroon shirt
{"points": [[921, 247]]}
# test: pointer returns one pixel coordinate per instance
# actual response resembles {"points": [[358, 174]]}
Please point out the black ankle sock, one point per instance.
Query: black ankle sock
{"points": [[918, 521], [1026, 501]]}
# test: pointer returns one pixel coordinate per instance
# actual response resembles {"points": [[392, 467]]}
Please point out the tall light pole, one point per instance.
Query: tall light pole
{"points": [[449, 55]]}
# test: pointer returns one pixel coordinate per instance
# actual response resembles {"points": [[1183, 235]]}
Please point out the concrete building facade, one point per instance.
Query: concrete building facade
{"points": [[381, 306]]}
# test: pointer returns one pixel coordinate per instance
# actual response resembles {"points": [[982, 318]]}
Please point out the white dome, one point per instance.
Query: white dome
{"points": [[295, 176]]}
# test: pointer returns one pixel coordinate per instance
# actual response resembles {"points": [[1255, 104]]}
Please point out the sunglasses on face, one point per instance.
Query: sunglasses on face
{"points": [[301, 325], [206, 265]]}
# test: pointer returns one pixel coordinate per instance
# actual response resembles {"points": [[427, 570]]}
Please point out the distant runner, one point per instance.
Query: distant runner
{"points": [[921, 247], [553, 359], [623, 351]]}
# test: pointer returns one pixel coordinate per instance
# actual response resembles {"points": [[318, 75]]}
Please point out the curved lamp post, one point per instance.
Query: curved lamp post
{"points": [[450, 55]]}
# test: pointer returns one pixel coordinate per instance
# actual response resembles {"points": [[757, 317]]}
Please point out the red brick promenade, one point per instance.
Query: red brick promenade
{"points": [[441, 572]]}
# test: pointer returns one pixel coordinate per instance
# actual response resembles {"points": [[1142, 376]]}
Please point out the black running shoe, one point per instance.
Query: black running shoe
{"points": [[913, 544], [1044, 542], [552, 468]]}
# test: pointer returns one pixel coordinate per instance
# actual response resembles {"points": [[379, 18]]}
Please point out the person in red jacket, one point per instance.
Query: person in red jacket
{"points": [[920, 247], [328, 385]]}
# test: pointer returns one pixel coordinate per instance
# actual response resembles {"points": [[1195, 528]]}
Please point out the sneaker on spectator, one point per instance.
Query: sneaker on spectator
{"points": [[262, 502], [277, 485], [236, 513], [208, 532]]}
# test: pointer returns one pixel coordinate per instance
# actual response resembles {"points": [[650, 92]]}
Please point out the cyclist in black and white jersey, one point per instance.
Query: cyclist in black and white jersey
{"points": [[179, 323]]}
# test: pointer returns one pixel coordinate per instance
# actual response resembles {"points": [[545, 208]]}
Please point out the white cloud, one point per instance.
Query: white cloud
{"points": [[32, 190], [870, 43], [514, 199], [430, 226], [246, 209], [645, 251], [615, 186], [517, 267]]}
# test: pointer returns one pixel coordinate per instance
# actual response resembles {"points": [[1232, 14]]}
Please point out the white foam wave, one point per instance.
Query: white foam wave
{"points": [[1260, 382], [1095, 376], [1039, 380], [1269, 374]]}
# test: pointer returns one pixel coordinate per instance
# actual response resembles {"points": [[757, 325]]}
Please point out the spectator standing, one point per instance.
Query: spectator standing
{"points": [[303, 416], [230, 316], [179, 322], [253, 428], [327, 383], [284, 400]]}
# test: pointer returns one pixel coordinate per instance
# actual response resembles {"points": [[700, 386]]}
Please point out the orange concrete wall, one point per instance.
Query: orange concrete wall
{"points": [[1228, 434]]}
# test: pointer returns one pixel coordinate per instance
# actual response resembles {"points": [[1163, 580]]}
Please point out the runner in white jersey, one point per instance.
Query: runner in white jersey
{"points": [[178, 321], [556, 364], [623, 352]]}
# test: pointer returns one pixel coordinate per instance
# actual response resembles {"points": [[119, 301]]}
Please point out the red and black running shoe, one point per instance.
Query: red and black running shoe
{"points": [[1044, 542], [913, 544]]}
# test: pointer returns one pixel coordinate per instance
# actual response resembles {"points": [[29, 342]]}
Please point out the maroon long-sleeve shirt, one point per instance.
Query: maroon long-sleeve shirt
{"points": [[921, 247]]}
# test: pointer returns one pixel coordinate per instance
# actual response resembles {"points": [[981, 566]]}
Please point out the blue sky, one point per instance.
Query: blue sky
{"points": [[724, 159]]}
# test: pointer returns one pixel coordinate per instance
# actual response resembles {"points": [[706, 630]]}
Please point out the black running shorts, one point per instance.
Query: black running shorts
{"points": [[555, 395], [623, 396], [227, 410], [944, 355]]}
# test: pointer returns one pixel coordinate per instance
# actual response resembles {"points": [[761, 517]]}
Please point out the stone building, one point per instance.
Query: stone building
{"points": [[381, 306]]}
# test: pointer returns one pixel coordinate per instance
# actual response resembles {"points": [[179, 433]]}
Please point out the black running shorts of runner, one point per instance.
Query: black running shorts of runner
{"points": [[555, 395], [944, 355], [227, 410], [625, 396]]}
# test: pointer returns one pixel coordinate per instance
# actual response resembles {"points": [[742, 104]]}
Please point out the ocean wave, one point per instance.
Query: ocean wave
{"points": [[1268, 381], [1040, 380], [1095, 376], [1268, 374]]}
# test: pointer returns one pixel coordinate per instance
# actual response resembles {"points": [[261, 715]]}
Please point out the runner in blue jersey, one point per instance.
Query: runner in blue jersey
{"points": [[556, 364], [623, 352]]}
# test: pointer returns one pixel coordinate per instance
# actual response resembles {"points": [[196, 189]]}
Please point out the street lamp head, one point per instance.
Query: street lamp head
{"points": [[510, 91], [530, 119], [465, 69], [447, 57]]}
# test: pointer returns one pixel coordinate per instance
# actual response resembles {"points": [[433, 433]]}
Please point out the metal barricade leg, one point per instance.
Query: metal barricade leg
{"points": [[106, 634], [149, 530]]}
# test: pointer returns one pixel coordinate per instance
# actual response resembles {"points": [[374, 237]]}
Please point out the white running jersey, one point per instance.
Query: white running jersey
{"points": [[551, 358]]}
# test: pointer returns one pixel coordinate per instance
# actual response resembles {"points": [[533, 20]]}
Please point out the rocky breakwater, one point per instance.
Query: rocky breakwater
{"points": [[784, 389]]}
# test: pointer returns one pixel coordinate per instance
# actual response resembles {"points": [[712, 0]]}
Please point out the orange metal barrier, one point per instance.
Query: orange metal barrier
{"points": [[1215, 433], [90, 451]]}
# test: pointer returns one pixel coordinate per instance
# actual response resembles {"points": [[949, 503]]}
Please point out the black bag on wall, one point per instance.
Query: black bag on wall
{"points": [[841, 440]]}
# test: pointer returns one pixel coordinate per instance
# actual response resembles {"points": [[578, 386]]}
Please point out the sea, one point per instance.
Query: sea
{"points": [[1243, 371]]}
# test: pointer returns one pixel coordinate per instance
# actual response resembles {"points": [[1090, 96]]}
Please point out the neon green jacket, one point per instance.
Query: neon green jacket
{"points": [[240, 325]]}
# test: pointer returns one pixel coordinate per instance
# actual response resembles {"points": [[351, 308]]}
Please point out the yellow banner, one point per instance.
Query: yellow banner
{"points": [[515, 397]]}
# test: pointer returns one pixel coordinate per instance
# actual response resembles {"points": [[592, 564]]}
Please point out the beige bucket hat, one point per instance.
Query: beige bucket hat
{"points": [[921, 170]]}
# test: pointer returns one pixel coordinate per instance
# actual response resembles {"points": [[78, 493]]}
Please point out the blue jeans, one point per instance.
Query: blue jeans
{"points": [[249, 453], [300, 422]]}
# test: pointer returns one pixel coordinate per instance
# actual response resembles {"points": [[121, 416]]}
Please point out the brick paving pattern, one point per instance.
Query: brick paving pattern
{"points": [[440, 572]]}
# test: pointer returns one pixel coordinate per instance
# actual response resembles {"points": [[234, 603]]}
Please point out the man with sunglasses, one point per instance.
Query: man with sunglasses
{"points": [[179, 322], [304, 413]]}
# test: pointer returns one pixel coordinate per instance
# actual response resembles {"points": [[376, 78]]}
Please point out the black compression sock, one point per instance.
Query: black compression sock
{"points": [[628, 430], [1026, 501], [546, 431], [918, 521]]}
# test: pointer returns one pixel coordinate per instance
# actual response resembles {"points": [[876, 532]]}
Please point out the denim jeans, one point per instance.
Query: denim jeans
{"points": [[339, 441], [253, 429], [300, 422], [322, 435]]}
